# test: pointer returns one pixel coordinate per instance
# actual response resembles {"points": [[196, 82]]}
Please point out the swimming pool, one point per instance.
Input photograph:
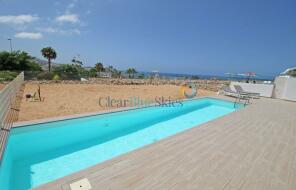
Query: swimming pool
{"points": [[40, 153]]}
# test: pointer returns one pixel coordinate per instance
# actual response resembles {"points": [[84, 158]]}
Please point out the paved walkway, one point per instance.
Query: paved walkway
{"points": [[253, 148]]}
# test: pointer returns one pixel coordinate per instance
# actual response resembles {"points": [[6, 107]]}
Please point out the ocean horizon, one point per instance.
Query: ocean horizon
{"points": [[207, 77]]}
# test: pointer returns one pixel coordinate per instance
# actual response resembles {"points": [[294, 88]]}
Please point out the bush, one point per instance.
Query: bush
{"points": [[141, 76], [7, 75], [69, 76], [195, 77], [45, 76], [68, 72], [17, 61], [56, 77], [32, 66], [67, 68], [93, 73]]}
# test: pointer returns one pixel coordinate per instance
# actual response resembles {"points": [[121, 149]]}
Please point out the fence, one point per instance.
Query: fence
{"points": [[9, 105]]}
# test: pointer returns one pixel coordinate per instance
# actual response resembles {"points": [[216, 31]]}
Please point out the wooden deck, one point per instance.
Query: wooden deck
{"points": [[253, 148]]}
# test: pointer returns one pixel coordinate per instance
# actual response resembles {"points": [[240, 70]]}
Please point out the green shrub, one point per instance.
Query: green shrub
{"points": [[32, 66], [67, 68], [56, 77], [7, 75], [69, 76], [141, 76], [18, 61], [45, 76], [195, 77], [93, 73], [68, 72]]}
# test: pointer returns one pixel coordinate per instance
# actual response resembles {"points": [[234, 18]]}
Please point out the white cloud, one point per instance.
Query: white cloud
{"points": [[73, 18], [19, 19], [71, 32], [59, 30], [47, 29], [29, 35]]}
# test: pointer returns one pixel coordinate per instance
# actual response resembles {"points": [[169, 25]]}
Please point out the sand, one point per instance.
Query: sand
{"points": [[68, 99], [2, 86]]}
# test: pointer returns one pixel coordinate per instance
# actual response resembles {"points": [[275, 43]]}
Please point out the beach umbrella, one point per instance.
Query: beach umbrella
{"points": [[230, 74], [248, 75]]}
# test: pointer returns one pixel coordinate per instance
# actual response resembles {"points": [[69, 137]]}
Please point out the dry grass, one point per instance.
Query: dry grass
{"points": [[67, 99]]}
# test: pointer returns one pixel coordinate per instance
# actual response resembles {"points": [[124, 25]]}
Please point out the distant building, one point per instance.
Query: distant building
{"points": [[104, 74], [88, 68]]}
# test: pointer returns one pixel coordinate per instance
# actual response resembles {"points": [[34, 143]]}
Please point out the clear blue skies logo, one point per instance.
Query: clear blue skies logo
{"points": [[188, 90], [136, 101]]}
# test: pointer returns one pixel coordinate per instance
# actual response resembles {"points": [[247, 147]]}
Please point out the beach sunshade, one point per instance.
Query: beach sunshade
{"points": [[248, 74]]}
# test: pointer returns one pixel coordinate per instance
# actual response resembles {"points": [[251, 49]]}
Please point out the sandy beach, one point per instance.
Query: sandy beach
{"points": [[68, 99]]}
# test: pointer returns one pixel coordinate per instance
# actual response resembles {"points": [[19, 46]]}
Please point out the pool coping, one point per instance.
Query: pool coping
{"points": [[102, 112], [4, 135], [81, 174], [55, 119], [245, 149]]}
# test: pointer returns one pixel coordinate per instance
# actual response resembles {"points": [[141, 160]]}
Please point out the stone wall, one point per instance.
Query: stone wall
{"points": [[213, 85]]}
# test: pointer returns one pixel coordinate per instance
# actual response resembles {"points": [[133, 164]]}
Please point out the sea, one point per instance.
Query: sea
{"points": [[206, 77]]}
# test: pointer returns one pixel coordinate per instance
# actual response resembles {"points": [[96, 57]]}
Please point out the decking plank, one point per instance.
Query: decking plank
{"points": [[253, 148]]}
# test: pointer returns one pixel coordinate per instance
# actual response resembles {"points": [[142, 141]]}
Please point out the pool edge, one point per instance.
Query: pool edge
{"points": [[88, 114]]}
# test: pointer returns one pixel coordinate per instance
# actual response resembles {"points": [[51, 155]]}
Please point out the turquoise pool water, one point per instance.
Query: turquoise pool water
{"points": [[38, 154]]}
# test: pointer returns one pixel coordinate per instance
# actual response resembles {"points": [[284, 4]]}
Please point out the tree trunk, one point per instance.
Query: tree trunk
{"points": [[49, 65]]}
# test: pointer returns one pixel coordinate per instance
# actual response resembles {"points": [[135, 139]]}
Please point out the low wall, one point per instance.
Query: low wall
{"points": [[212, 85], [285, 88], [265, 90]]}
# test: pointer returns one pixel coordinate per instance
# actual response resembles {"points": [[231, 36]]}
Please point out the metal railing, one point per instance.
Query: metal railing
{"points": [[9, 108], [242, 97]]}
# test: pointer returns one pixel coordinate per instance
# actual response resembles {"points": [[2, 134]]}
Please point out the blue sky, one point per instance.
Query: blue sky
{"points": [[177, 36]]}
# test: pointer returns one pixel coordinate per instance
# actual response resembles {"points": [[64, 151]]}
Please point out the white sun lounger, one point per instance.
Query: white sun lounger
{"points": [[239, 89]]}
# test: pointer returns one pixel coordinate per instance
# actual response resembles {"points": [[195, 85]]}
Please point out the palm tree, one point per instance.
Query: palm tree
{"points": [[131, 72], [119, 75], [50, 54], [99, 67], [134, 72], [76, 61], [110, 68], [116, 73]]}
